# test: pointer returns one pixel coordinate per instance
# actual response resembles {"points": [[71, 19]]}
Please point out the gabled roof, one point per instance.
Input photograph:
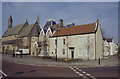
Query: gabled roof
{"points": [[78, 29], [43, 31], [27, 30], [108, 39], [13, 31], [50, 29]]}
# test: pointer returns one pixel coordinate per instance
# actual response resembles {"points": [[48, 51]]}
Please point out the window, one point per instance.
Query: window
{"points": [[56, 42], [63, 51], [63, 41], [55, 51], [80, 53], [80, 40], [88, 52], [87, 40]]}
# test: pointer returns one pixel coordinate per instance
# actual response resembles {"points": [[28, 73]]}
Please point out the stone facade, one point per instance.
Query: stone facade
{"points": [[55, 40], [19, 37], [110, 48], [78, 46]]}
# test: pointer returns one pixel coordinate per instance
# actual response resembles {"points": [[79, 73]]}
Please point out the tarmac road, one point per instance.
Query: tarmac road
{"points": [[22, 70]]}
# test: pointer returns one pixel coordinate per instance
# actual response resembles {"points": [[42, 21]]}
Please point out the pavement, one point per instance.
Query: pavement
{"points": [[30, 60]]}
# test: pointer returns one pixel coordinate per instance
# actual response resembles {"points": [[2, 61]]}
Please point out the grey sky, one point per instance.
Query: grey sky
{"points": [[76, 12]]}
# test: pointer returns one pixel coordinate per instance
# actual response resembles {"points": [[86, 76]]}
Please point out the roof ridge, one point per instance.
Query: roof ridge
{"points": [[79, 25], [17, 25], [78, 29], [86, 24]]}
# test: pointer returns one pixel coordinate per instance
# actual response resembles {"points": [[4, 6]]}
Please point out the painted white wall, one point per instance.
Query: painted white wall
{"points": [[73, 41]]}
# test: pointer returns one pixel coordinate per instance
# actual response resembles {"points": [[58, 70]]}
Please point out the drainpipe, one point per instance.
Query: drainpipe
{"points": [[95, 45], [67, 48]]}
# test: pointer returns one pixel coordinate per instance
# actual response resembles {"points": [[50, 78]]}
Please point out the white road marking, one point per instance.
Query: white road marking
{"points": [[83, 72], [1, 77], [85, 77], [80, 70], [3, 73], [80, 74], [93, 77], [74, 70], [77, 72], [88, 74]]}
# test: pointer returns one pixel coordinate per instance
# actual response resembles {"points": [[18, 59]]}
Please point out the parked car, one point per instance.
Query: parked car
{"points": [[22, 51]]}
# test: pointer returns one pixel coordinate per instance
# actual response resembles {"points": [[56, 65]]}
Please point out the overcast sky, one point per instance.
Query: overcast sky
{"points": [[76, 12]]}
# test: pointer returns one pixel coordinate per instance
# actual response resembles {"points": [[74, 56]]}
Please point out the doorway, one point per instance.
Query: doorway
{"points": [[72, 54]]}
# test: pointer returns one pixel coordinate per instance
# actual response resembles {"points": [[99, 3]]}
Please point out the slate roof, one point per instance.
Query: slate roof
{"points": [[108, 39], [45, 31], [13, 31], [78, 29], [26, 30], [49, 23]]}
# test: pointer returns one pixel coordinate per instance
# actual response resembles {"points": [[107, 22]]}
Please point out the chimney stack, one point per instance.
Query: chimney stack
{"points": [[61, 22], [10, 21]]}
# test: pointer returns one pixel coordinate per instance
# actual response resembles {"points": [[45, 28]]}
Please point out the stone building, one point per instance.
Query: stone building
{"points": [[41, 46], [20, 36], [57, 41], [110, 48], [77, 42]]}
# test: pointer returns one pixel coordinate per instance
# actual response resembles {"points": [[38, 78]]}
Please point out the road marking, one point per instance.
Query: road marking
{"points": [[77, 72], [80, 70], [3, 74], [85, 77], [74, 70], [76, 67], [93, 77], [81, 73], [88, 74]]}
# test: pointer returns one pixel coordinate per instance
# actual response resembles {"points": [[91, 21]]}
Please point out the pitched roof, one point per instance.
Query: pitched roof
{"points": [[52, 29], [108, 39], [27, 30], [13, 31], [78, 29]]}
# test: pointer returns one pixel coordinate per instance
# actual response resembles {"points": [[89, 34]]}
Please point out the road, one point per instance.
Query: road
{"points": [[22, 70]]}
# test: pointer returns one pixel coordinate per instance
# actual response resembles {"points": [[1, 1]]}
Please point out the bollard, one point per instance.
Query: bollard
{"points": [[21, 54], [99, 61], [13, 54]]}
